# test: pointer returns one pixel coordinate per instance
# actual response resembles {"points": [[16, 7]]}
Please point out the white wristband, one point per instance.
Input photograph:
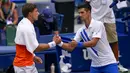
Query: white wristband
{"points": [[60, 44], [52, 44]]}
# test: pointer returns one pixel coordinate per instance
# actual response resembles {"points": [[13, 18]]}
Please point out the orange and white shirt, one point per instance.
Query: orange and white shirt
{"points": [[26, 43]]}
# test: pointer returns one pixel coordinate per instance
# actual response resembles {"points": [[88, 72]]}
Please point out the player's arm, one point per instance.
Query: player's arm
{"points": [[56, 40], [71, 46], [33, 45], [91, 43], [68, 46], [97, 34], [44, 46]]}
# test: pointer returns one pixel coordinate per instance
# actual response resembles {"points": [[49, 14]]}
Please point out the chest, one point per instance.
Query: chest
{"points": [[87, 33], [6, 8]]}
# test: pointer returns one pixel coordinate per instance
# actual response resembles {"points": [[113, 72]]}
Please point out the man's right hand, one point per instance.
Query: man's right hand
{"points": [[57, 39], [73, 44]]}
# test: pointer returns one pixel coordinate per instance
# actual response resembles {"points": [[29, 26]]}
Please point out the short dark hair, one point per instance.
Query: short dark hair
{"points": [[85, 5], [28, 7]]}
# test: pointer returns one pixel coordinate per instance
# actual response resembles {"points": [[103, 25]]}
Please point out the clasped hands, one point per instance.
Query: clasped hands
{"points": [[58, 40]]}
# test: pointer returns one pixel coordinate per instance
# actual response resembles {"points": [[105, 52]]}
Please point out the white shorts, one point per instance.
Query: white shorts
{"points": [[25, 69]]}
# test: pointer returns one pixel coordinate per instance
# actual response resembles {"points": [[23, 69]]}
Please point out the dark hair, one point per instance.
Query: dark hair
{"points": [[85, 5], [28, 7]]}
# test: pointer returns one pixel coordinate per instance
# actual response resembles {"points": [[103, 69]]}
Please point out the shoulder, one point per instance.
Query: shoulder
{"points": [[25, 24], [81, 28], [14, 5], [97, 23]]}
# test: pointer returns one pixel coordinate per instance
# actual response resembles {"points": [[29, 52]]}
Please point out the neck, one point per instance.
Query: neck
{"points": [[31, 20], [88, 21]]}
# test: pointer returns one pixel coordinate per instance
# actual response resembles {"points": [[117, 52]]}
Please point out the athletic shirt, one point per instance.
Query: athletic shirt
{"points": [[26, 43], [101, 54]]}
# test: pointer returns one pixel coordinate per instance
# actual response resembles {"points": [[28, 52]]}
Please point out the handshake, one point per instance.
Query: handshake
{"points": [[58, 41]]}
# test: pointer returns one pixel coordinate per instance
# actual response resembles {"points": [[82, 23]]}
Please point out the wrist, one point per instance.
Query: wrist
{"points": [[61, 43], [80, 44], [52, 44]]}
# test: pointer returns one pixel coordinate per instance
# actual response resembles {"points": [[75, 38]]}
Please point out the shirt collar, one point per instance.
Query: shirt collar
{"points": [[28, 21], [91, 23]]}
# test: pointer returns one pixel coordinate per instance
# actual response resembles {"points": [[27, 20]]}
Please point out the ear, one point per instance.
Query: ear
{"points": [[89, 11], [29, 13]]}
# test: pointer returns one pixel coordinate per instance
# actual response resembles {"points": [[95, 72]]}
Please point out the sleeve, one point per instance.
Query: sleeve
{"points": [[77, 37], [55, 25], [98, 30], [30, 41]]}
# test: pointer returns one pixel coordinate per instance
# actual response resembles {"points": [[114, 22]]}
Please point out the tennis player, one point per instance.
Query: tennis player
{"points": [[94, 36], [26, 42]]}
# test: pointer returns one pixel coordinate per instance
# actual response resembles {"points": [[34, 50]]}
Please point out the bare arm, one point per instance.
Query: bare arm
{"points": [[15, 13], [91, 43], [69, 46], [56, 40], [42, 47]]}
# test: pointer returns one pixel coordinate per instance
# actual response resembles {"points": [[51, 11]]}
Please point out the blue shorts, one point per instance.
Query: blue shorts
{"points": [[111, 68]]}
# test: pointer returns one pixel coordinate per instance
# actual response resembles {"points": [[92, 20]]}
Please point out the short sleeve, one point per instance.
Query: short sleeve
{"points": [[98, 30], [78, 36], [30, 41]]}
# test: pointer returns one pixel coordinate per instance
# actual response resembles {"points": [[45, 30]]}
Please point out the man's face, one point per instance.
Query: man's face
{"points": [[84, 14], [35, 14]]}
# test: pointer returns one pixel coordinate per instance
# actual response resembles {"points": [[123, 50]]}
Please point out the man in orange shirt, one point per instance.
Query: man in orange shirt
{"points": [[26, 42]]}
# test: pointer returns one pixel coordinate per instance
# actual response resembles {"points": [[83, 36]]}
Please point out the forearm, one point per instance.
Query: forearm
{"points": [[91, 43], [88, 44], [42, 47], [67, 47]]}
